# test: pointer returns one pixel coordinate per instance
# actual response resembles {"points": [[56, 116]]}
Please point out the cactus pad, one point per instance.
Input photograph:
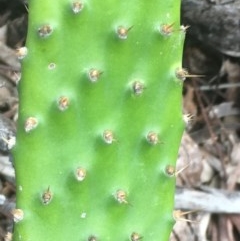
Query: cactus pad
{"points": [[100, 120]]}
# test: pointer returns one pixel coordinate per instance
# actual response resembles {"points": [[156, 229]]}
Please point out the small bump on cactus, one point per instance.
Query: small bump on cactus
{"points": [[63, 103], [21, 52], [30, 124], [77, 7], [81, 173], [135, 236], [94, 74], [138, 87], [170, 170], [166, 29], [121, 196], [122, 32], [92, 238], [18, 215], [47, 196], [45, 31], [152, 138], [108, 137], [51, 66]]}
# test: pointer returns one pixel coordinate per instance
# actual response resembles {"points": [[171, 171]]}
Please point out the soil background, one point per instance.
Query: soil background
{"points": [[208, 166]]}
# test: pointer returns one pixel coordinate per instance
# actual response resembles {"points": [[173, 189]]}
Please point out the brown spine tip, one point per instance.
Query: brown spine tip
{"points": [[45, 30], [18, 215], [94, 75], [63, 103], [21, 52], [77, 7], [137, 87], [108, 137], [152, 138], [121, 196], [166, 29], [30, 124], [122, 32], [80, 173], [135, 236], [47, 196]]}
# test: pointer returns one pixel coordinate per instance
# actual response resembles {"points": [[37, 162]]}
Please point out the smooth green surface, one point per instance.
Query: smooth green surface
{"points": [[64, 140]]}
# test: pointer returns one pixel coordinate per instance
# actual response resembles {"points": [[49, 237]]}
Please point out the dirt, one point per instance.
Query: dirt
{"points": [[209, 157]]}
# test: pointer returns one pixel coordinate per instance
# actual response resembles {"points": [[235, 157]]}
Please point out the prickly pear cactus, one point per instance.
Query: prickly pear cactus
{"points": [[100, 120]]}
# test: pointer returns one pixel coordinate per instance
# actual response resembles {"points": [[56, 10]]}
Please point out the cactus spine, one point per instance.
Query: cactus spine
{"points": [[100, 120]]}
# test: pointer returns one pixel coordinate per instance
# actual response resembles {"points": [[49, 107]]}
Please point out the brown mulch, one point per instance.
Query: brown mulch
{"points": [[209, 156]]}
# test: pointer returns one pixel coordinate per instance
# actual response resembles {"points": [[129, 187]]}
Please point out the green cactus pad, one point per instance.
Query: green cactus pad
{"points": [[100, 120]]}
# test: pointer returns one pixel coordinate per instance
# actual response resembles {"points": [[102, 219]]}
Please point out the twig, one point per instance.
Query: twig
{"points": [[212, 134], [210, 200], [221, 86]]}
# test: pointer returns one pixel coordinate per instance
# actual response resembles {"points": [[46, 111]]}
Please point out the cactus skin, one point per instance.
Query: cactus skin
{"points": [[99, 121]]}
